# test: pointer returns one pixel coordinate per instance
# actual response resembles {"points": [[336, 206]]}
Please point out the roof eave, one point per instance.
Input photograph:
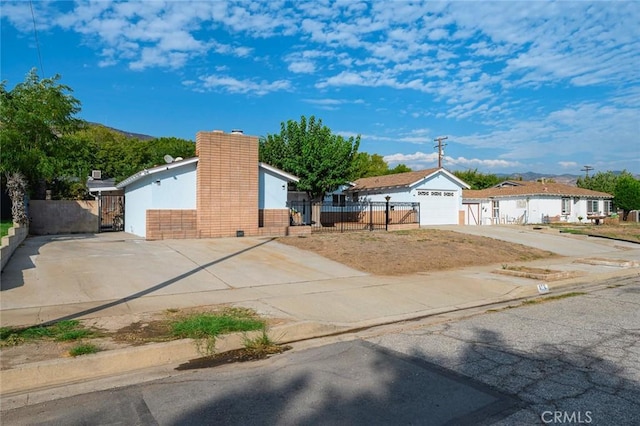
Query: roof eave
{"points": [[133, 178], [287, 176]]}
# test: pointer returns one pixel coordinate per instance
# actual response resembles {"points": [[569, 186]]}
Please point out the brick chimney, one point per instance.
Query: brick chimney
{"points": [[227, 184]]}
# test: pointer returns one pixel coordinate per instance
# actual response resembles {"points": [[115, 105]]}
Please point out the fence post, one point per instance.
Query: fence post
{"points": [[386, 214], [370, 216]]}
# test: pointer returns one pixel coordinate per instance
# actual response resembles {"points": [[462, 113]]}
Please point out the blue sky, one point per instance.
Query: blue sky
{"points": [[515, 86]]}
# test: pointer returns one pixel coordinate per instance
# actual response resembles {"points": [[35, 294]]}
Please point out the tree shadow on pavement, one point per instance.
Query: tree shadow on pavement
{"points": [[374, 385], [556, 382], [12, 274], [345, 383], [22, 259]]}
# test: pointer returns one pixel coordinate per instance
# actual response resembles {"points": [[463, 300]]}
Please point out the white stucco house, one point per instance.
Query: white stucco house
{"points": [[438, 191], [174, 187], [170, 186], [534, 202]]}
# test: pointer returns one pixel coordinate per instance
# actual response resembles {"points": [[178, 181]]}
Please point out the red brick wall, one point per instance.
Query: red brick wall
{"points": [[227, 188], [167, 224]]}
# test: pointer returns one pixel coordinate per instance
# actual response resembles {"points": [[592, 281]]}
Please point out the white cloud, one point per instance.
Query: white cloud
{"points": [[482, 66], [568, 164], [233, 85], [420, 160], [306, 67]]}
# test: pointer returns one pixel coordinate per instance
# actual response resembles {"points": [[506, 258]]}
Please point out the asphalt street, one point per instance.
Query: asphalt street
{"points": [[573, 360]]}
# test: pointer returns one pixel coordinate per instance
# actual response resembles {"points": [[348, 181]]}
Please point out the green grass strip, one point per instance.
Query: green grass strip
{"points": [[62, 331], [208, 325], [4, 227]]}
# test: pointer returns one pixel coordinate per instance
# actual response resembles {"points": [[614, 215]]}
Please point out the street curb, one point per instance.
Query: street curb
{"points": [[52, 373]]}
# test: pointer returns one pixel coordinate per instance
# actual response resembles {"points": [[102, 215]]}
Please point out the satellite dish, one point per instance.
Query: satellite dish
{"points": [[168, 159]]}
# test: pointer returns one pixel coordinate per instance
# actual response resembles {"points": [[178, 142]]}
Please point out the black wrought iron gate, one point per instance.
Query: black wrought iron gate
{"points": [[111, 213]]}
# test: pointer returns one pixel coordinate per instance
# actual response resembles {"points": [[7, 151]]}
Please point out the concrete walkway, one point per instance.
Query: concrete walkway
{"points": [[88, 276]]}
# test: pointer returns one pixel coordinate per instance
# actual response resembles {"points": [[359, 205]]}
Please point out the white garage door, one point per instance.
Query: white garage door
{"points": [[438, 207]]}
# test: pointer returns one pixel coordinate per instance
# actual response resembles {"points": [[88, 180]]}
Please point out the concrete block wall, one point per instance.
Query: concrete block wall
{"points": [[171, 224], [12, 241], [227, 184], [63, 216]]}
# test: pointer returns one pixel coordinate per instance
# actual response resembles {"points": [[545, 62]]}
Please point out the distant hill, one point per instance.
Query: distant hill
{"points": [[567, 179], [132, 135]]}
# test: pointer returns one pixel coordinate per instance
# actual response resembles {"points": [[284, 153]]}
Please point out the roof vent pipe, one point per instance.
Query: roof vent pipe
{"points": [[236, 132]]}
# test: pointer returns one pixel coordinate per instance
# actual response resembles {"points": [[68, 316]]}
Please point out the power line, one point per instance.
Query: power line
{"points": [[440, 147], [35, 33], [586, 170]]}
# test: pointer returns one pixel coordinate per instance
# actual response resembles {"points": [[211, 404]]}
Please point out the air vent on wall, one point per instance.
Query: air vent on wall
{"points": [[96, 174]]}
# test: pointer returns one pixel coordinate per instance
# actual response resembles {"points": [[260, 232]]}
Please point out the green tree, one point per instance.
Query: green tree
{"points": [[308, 149], [119, 156], [478, 180], [34, 115], [601, 181], [174, 147], [400, 168], [368, 165], [626, 194]]}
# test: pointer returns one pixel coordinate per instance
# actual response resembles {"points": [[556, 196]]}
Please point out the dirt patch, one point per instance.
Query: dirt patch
{"points": [[229, 357], [410, 252]]}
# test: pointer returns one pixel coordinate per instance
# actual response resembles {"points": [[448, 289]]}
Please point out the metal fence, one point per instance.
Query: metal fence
{"points": [[350, 216]]}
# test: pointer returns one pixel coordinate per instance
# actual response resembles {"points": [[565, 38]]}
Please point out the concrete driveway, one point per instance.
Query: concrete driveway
{"points": [[111, 275], [74, 269], [544, 239]]}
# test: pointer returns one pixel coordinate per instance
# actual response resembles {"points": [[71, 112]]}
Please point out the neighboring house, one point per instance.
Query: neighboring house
{"points": [[222, 192], [97, 186], [438, 191], [534, 202]]}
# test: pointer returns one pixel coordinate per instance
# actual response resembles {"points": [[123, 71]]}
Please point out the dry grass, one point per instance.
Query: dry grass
{"points": [[410, 252]]}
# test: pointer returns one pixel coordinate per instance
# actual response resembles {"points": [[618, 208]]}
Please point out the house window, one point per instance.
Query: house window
{"points": [[566, 206], [496, 209], [607, 207], [354, 197], [592, 206], [339, 200]]}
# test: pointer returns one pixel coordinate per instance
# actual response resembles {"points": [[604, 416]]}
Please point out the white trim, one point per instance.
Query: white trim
{"points": [[277, 171], [153, 170], [104, 189], [450, 175]]}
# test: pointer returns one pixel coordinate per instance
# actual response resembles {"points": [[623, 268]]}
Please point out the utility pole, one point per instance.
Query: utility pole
{"points": [[440, 147], [586, 170]]}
